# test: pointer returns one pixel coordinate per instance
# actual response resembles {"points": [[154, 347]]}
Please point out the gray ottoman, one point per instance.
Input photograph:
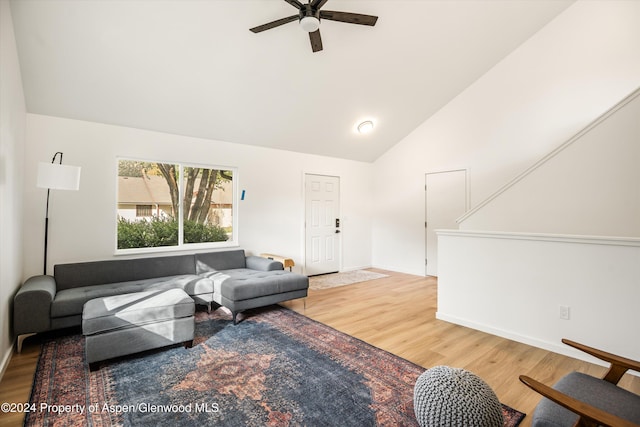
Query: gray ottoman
{"points": [[454, 397], [125, 324]]}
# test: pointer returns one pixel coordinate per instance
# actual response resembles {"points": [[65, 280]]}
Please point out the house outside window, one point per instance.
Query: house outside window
{"points": [[172, 206], [143, 210]]}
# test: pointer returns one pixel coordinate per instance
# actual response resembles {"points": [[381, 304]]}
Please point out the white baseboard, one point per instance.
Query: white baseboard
{"points": [[514, 336], [399, 270], [4, 364]]}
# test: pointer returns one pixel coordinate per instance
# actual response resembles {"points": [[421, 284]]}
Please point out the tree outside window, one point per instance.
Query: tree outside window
{"points": [[188, 204]]}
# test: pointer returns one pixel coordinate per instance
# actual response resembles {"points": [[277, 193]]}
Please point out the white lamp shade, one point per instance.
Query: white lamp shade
{"points": [[58, 177]]}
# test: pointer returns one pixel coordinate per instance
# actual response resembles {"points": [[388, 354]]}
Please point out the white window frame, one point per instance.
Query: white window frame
{"points": [[233, 242]]}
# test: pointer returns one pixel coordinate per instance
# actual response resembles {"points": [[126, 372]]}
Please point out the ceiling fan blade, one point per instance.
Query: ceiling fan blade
{"points": [[350, 18], [274, 24], [295, 3], [317, 4], [316, 41]]}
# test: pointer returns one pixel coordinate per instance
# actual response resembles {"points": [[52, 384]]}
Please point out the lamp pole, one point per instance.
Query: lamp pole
{"points": [[46, 218]]}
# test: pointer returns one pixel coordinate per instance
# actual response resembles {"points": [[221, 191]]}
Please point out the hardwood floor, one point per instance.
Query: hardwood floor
{"points": [[395, 313], [17, 380]]}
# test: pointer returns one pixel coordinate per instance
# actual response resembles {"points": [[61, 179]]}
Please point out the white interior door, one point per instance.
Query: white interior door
{"points": [[446, 201], [322, 224]]}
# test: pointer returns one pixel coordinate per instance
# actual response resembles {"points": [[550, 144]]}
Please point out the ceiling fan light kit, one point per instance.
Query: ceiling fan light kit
{"points": [[309, 24], [309, 16]]}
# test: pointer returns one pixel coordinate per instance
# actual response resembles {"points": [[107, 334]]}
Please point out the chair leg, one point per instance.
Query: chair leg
{"points": [[235, 317], [188, 344]]}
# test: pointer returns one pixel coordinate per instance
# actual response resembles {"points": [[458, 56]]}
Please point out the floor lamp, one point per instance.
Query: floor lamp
{"points": [[56, 176]]}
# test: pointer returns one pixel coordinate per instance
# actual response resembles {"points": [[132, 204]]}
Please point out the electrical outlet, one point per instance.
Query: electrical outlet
{"points": [[564, 312]]}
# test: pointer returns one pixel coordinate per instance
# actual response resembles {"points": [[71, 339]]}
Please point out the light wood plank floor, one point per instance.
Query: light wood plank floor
{"points": [[396, 313]]}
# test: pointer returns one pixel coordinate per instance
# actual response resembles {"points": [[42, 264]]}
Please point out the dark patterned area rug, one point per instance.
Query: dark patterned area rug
{"points": [[275, 368]]}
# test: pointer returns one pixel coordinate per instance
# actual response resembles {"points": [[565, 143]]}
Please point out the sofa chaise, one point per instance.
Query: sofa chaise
{"points": [[227, 278]]}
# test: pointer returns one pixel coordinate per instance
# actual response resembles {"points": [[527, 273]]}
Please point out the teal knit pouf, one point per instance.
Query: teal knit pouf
{"points": [[445, 396]]}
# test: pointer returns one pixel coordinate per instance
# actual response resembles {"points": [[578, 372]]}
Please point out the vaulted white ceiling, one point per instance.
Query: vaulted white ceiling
{"points": [[192, 67]]}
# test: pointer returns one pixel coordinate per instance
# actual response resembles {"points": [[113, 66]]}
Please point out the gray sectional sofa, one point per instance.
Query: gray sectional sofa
{"points": [[227, 278]]}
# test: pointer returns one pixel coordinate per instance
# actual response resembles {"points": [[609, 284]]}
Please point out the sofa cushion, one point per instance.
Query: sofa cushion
{"points": [[129, 310], [217, 261], [115, 271], [69, 302], [263, 264], [242, 284]]}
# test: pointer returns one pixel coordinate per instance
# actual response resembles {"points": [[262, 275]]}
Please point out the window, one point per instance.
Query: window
{"points": [[171, 204], [143, 210]]}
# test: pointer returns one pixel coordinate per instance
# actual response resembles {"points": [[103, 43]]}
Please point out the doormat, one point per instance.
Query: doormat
{"points": [[333, 280]]}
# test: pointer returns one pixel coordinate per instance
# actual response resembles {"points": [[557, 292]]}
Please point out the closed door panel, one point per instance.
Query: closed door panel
{"points": [[446, 201], [322, 205]]}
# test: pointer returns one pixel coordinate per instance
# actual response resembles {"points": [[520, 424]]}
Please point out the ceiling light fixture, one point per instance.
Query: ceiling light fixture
{"points": [[310, 24], [365, 127]]}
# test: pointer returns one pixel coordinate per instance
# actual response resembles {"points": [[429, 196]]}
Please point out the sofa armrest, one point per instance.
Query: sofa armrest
{"points": [[263, 264], [32, 305]]}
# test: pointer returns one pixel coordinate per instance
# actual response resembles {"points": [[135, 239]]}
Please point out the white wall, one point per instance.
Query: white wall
{"points": [[82, 223], [589, 186], [561, 79], [513, 285], [12, 135]]}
